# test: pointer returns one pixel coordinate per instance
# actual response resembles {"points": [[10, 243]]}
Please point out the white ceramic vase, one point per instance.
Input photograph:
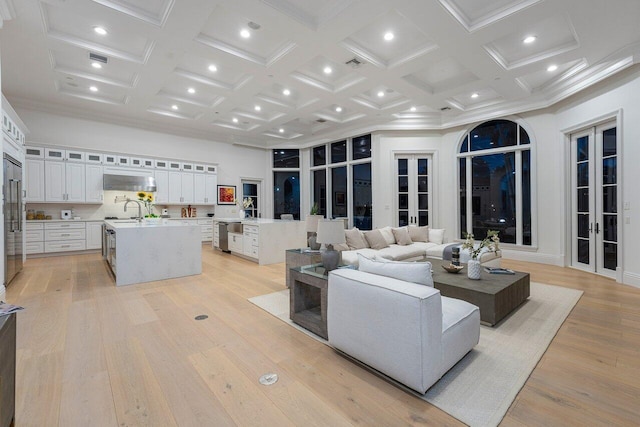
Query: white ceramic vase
{"points": [[241, 213], [473, 269]]}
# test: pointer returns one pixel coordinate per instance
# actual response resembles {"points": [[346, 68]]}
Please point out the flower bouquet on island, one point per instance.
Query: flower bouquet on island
{"points": [[147, 199]]}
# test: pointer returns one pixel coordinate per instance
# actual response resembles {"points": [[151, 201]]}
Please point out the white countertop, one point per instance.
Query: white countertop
{"points": [[128, 224], [36, 221], [250, 221]]}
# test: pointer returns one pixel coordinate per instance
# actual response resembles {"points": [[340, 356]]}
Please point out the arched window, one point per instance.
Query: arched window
{"points": [[495, 182]]}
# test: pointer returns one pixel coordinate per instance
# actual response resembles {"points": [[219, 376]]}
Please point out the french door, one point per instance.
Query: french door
{"points": [[251, 188], [413, 189], [594, 180]]}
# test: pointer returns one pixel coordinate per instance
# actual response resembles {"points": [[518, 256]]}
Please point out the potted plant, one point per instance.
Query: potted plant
{"points": [[490, 242]]}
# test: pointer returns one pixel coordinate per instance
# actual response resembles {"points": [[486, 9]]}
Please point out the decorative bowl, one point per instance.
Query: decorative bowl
{"points": [[453, 268]]}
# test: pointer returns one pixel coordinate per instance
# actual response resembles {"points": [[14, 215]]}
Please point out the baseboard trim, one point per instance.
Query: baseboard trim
{"points": [[632, 279], [537, 257]]}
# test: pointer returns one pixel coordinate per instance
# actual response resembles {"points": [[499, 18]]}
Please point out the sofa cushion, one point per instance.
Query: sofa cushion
{"points": [[436, 235], [351, 257], [388, 235], [418, 234], [401, 253], [355, 239], [340, 247], [375, 239], [402, 236], [415, 272]]}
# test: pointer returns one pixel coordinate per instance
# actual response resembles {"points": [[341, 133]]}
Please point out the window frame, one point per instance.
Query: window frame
{"points": [[517, 150]]}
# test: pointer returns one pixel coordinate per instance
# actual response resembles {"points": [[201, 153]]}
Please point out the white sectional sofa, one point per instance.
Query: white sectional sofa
{"points": [[432, 244], [405, 330]]}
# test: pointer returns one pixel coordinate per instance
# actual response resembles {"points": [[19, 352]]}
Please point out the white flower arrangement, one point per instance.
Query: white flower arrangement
{"points": [[491, 242], [246, 203]]}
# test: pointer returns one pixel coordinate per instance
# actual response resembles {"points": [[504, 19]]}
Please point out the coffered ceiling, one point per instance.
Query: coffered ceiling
{"points": [[294, 72]]}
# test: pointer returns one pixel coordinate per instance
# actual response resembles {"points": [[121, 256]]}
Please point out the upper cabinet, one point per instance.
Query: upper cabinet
{"points": [[59, 175]]}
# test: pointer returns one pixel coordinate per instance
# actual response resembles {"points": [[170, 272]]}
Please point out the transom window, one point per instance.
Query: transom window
{"points": [[495, 182]]}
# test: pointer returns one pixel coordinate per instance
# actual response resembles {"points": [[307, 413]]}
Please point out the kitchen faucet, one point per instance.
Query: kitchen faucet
{"points": [[139, 208]]}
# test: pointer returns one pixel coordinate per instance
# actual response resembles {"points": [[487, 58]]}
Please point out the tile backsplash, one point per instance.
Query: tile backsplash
{"points": [[110, 208]]}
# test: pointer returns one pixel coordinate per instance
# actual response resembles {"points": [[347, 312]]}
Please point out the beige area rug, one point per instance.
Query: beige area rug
{"points": [[480, 388]]}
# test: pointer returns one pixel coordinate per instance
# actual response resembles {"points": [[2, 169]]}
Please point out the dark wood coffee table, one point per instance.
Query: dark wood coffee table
{"points": [[496, 295]]}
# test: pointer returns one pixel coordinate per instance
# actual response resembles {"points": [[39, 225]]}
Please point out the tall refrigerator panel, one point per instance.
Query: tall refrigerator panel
{"points": [[12, 208]]}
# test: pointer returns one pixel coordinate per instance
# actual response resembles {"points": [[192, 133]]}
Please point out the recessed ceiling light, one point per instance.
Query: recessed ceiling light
{"points": [[327, 70], [245, 34], [529, 39], [552, 67], [380, 94], [257, 108], [286, 92], [338, 109], [413, 109], [100, 30], [96, 65], [93, 88], [281, 130], [191, 90], [174, 107], [475, 95], [235, 120], [213, 68], [388, 36]]}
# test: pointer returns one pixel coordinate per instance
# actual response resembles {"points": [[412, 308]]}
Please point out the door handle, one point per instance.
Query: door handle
{"points": [[590, 227], [597, 227]]}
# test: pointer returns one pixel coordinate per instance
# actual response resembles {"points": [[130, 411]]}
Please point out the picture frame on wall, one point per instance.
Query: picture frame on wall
{"points": [[226, 194]]}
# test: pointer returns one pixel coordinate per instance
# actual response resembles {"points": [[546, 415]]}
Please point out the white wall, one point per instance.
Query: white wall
{"points": [[233, 161]]}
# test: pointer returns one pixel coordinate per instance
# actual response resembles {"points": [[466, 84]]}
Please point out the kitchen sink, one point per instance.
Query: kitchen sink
{"points": [[125, 221]]}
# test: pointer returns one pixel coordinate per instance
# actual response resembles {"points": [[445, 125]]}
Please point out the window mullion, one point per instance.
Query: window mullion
{"points": [[469, 197], [519, 218]]}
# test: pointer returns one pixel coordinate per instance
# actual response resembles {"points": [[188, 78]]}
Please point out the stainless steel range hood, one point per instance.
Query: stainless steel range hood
{"points": [[129, 183]]}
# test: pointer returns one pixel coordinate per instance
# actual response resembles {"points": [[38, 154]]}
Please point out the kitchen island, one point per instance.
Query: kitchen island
{"points": [[143, 252], [261, 240]]}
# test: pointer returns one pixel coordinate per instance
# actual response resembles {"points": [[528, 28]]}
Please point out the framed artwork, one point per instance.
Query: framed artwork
{"points": [[226, 194], [340, 198]]}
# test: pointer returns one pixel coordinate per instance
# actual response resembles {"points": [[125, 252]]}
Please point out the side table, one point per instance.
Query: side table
{"points": [[308, 298], [298, 258]]}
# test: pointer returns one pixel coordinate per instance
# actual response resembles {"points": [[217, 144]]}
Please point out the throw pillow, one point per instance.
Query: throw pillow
{"points": [[419, 234], [388, 235], [436, 235], [415, 272], [375, 239], [341, 247], [354, 239], [402, 236]]}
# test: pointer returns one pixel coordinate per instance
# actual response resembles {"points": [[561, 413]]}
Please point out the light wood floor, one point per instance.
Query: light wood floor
{"points": [[91, 354]]}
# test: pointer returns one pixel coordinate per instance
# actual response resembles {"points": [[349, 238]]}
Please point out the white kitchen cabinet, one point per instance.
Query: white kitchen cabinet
{"points": [[34, 177], [162, 186], [251, 242], [180, 187], [95, 158], [235, 243], [65, 181], [94, 235], [63, 237], [204, 189], [94, 185]]}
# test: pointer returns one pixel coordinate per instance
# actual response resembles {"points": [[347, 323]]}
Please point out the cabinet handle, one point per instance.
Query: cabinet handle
{"points": [[65, 235], [64, 225], [64, 246]]}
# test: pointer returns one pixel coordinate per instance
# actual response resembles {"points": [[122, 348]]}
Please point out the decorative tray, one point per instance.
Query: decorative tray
{"points": [[453, 268]]}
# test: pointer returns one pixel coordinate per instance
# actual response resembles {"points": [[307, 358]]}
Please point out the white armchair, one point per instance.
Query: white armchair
{"points": [[404, 330]]}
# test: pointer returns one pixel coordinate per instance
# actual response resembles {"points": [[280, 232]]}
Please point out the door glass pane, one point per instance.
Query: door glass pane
{"points": [[423, 201], [251, 190], [583, 200], [494, 134], [583, 149], [339, 189], [403, 218], [286, 194], [423, 218], [526, 196], [286, 158], [610, 228], [583, 174], [583, 251], [403, 166], [362, 196], [583, 225], [610, 256], [361, 147], [494, 196], [609, 199], [609, 142], [339, 152], [422, 167], [609, 170], [463, 197], [403, 184], [403, 201], [320, 191], [320, 155], [423, 186]]}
